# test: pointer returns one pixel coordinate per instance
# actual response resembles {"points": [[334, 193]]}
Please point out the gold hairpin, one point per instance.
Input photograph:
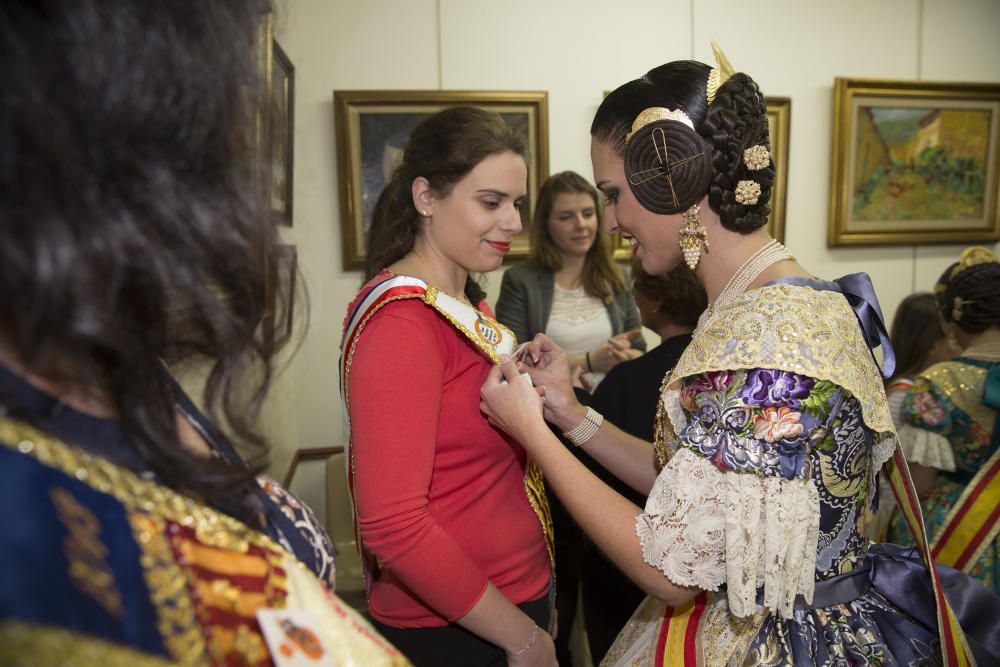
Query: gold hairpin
{"points": [[719, 74], [956, 308], [971, 257], [653, 114]]}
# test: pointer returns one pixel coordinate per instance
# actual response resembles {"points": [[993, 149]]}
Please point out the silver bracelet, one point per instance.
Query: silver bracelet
{"points": [[586, 429], [531, 642]]}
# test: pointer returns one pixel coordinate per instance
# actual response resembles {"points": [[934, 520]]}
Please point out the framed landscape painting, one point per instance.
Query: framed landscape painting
{"points": [[372, 129], [914, 162]]}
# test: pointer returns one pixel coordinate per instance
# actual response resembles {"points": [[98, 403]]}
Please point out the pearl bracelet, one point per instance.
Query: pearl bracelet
{"points": [[531, 642], [586, 429]]}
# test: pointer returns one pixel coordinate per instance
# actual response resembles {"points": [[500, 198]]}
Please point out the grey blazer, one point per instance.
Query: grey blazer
{"points": [[525, 303]]}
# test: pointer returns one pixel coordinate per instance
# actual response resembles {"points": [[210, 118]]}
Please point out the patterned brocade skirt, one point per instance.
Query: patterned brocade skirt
{"points": [[881, 614]]}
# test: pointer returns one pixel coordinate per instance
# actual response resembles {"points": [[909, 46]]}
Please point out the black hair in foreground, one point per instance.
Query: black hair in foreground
{"points": [[131, 230]]}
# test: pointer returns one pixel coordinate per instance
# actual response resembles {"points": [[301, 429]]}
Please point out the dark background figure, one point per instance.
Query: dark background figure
{"points": [[670, 306]]}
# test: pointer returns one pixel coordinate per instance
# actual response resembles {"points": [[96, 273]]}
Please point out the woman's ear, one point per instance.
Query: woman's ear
{"points": [[423, 198]]}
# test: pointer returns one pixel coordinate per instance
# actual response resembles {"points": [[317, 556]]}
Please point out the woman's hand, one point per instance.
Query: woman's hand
{"points": [[616, 350], [510, 402], [541, 654], [548, 366]]}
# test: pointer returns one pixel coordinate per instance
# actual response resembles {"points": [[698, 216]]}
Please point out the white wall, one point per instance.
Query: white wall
{"points": [[576, 49]]}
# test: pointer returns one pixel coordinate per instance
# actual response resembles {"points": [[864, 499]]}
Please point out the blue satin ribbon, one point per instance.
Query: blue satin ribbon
{"points": [[860, 294], [901, 577]]}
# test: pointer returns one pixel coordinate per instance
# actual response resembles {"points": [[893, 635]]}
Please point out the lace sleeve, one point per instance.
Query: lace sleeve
{"points": [[735, 503]]}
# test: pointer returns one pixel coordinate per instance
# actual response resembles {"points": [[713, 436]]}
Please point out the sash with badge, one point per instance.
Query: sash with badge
{"points": [[488, 336]]}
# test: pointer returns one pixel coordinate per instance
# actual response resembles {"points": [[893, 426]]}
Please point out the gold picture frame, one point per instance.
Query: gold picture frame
{"points": [[779, 120], [372, 128], [914, 162], [779, 115]]}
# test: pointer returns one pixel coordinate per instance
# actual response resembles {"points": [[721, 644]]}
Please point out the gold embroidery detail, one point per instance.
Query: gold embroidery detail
{"points": [[223, 562], [140, 497], [486, 348], [664, 434], [168, 592], [35, 646], [795, 329], [534, 487], [962, 384], [224, 596], [723, 637], [86, 555]]}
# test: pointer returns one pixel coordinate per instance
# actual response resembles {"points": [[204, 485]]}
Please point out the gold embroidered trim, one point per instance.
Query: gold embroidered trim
{"points": [[963, 385], [490, 351], [23, 645], [168, 591], [135, 493], [141, 499], [795, 329], [534, 487]]}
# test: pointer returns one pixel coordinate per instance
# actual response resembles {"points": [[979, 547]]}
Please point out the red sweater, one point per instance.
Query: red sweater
{"points": [[440, 493]]}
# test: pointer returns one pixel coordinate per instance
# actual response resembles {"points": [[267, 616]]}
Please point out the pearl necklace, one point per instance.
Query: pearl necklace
{"points": [[767, 255]]}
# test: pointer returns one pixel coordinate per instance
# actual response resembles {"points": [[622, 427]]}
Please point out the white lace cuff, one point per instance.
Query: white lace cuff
{"points": [[682, 530], [883, 451], [926, 448], [702, 528]]}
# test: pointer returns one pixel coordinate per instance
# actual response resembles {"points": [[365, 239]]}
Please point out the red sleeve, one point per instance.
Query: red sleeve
{"points": [[396, 375]]}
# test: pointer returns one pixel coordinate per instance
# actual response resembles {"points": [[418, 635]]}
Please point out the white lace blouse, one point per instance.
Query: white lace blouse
{"points": [[578, 323]]}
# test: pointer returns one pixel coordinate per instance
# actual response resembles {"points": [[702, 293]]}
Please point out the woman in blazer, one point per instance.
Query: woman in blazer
{"points": [[570, 288]]}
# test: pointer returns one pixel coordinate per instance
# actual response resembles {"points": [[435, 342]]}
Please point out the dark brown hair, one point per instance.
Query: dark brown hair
{"points": [[735, 121], [601, 276], [132, 231], [970, 299], [679, 292], [916, 328], [443, 148]]}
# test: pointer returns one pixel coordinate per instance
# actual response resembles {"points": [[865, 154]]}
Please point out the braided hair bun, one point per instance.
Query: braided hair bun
{"points": [[737, 120], [668, 166], [968, 292]]}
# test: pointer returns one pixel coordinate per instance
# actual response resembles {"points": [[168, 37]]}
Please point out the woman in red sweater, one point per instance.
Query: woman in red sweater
{"points": [[451, 515]]}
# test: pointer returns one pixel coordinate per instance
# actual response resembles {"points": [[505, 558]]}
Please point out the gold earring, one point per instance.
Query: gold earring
{"points": [[694, 237]]}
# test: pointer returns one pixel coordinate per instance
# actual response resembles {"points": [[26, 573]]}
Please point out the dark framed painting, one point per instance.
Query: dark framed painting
{"points": [[282, 135], [372, 128], [914, 162]]}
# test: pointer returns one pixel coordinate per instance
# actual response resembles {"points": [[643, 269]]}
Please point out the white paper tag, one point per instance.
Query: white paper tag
{"points": [[524, 376], [294, 638]]}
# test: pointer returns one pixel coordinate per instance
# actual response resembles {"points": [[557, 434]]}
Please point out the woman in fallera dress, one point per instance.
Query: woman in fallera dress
{"points": [[771, 428], [954, 405]]}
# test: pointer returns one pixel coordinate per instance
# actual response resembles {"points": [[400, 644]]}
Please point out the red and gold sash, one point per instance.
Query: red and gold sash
{"points": [[954, 649], [489, 337], [676, 639], [973, 522]]}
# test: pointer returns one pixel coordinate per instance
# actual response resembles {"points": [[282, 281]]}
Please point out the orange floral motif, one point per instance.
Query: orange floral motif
{"points": [[775, 424]]}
